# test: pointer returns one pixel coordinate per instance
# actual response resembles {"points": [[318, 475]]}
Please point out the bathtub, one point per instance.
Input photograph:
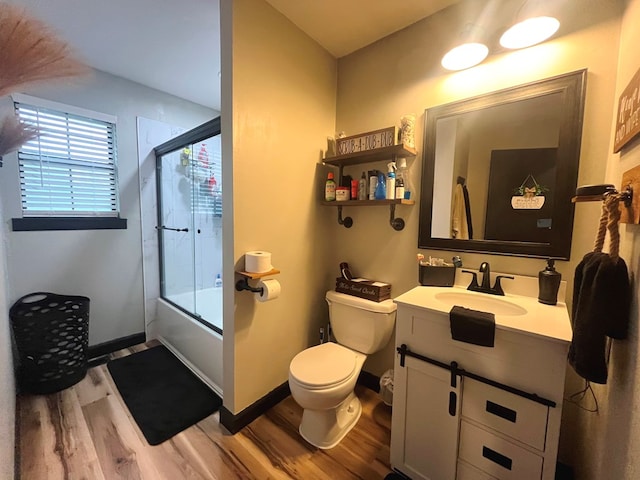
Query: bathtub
{"points": [[197, 346]]}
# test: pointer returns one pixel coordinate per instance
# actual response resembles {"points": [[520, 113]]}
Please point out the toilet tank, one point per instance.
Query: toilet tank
{"points": [[361, 324]]}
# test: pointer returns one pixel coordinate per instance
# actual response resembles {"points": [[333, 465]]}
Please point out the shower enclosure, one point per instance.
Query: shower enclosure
{"points": [[189, 195]]}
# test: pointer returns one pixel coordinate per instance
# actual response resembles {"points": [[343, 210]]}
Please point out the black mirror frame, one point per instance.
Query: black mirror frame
{"points": [[572, 87]]}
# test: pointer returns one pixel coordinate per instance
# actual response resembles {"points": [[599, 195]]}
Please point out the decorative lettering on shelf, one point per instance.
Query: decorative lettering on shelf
{"points": [[363, 142], [628, 119]]}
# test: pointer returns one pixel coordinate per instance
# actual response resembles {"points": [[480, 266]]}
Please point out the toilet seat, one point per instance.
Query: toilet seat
{"points": [[323, 366]]}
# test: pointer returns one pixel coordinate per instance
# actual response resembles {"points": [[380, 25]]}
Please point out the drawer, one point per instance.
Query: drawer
{"points": [[468, 472], [513, 415], [497, 457]]}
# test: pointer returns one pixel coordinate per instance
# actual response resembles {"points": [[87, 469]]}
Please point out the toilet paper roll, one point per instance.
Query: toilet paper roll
{"points": [[270, 290], [257, 262]]}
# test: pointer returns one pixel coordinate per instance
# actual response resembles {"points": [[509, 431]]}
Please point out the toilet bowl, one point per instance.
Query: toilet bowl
{"points": [[322, 378]]}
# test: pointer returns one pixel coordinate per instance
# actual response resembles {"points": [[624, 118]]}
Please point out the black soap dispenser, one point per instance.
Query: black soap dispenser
{"points": [[548, 284]]}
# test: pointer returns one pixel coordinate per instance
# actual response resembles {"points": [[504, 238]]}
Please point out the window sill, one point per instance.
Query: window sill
{"points": [[31, 224]]}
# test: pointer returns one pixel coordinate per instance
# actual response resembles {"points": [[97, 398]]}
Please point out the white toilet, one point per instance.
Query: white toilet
{"points": [[322, 378]]}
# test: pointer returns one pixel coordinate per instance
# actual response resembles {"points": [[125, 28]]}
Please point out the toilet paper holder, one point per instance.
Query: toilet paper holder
{"points": [[243, 283]]}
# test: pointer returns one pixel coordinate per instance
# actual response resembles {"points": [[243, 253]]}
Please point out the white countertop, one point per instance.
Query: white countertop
{"points": [[551, 321]]}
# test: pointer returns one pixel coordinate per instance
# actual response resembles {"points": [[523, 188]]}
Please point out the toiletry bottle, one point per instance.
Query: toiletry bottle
{"points": [[218, 281], [391, 181], [354, 189], [402, 172], [381, 188], [362, 187], [330, 188], [373, 184], [549, 283], [399, 187]]}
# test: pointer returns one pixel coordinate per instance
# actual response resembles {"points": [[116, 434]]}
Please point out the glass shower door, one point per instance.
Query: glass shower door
{"points": [[190, 223]]}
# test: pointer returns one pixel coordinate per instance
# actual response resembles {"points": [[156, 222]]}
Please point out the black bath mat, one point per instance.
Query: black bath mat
{"points": [[163, 395]]}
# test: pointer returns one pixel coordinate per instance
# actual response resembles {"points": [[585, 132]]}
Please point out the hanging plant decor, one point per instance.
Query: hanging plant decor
{"points": [[528, 196]]}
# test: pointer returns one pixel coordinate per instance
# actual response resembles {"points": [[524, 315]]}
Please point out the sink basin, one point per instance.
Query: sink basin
{"points": [[481, 302]]}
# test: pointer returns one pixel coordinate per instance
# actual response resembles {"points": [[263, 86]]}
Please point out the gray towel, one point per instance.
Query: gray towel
{"points": [[601, 308], [472, 326]]}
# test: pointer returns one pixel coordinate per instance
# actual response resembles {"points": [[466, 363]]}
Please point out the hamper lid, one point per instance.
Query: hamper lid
{"points": [[323, 365]]}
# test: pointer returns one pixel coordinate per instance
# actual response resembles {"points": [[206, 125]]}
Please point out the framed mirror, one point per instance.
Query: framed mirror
{"points": [[499, 170]]}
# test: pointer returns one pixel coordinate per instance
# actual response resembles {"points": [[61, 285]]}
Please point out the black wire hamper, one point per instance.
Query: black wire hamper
{"points": [[52, 336]]}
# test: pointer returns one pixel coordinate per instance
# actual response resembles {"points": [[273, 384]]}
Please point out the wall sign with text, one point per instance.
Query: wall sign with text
{"points": [[628, 119], [385, 137]]}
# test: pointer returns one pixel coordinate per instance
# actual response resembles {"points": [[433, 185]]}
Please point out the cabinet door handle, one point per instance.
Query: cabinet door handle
{"points": [[501, 411], [496, 457], [453, 400]]}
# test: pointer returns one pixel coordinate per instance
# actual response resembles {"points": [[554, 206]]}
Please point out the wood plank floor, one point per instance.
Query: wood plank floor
{"points": [[86, 432]]}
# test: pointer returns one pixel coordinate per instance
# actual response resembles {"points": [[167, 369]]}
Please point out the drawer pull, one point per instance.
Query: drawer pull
{"points": [[501, 411], [453, 399], [496, 457]]}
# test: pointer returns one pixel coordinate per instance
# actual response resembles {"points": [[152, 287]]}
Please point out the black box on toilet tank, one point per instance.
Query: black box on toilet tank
{"points": [[363, 288]]}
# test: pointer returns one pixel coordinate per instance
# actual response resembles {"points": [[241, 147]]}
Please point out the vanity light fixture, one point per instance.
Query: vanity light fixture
{"points": [[529, 32], [467, 54]]}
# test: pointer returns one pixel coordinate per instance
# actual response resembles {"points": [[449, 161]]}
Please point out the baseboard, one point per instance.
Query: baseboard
{"points": [[563, 472], [115, 345], [235, 423], [369, 380]]}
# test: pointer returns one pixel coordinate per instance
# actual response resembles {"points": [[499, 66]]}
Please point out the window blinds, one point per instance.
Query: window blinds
{"points": [[70, 169]]}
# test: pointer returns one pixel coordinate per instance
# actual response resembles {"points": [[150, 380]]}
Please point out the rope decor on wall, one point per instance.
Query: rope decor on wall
{"points": [[601, 297]]}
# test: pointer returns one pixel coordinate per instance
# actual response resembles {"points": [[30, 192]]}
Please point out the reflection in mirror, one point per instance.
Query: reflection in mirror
{"points": [[500, 170]]}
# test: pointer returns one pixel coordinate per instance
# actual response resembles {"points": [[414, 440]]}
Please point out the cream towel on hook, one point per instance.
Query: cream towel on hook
{"points": [[459, 221]]}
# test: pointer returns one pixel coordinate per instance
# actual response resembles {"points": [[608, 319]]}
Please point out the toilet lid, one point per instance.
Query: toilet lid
{"points": [[323, 365]]}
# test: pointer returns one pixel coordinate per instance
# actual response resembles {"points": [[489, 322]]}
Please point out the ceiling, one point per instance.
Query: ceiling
{"points": [[342, 27], [174, 45]]}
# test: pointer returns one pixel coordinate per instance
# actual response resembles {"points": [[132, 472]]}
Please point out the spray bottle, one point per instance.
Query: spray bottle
{"points": [[381, 188], [391, 180], [403, 176]]}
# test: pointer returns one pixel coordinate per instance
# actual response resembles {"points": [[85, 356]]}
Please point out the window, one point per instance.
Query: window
{"points": [[70, 169], [206, 196]]}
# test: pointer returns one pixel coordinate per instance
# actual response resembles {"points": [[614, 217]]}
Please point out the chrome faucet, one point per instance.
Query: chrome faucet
{"points": [[485, 286]]}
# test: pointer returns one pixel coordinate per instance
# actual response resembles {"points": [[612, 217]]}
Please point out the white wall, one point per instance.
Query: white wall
{"points": [[280, 89], [607, 444], [104, 265], [7, 381]]}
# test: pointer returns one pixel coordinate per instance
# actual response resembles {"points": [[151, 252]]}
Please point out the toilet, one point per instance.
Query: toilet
{"points": [[322, 378]]}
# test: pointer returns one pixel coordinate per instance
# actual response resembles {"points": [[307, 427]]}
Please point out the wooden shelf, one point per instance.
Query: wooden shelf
{"points": [[369, 156], [363, 203], [587, 198], [255, 276]]}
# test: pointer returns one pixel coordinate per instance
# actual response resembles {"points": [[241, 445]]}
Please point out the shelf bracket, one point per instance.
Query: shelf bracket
{"points": [[395, 222], [243, 284], [346, 221]]}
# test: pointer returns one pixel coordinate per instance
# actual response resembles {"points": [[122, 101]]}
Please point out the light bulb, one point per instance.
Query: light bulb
{"points": [[465, 56], [529, 32]]}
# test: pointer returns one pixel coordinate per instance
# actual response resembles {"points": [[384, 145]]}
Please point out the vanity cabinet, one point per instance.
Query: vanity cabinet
{"points": [[392, 152], [466, 412], [426, 388]]}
